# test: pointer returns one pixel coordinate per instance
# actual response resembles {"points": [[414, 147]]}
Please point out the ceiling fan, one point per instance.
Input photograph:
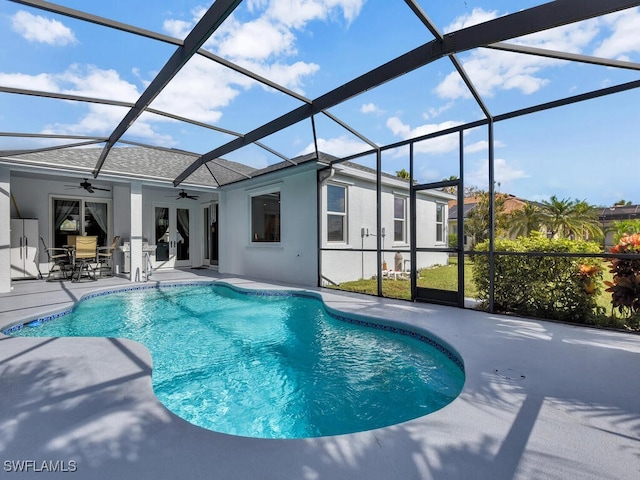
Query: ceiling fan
{"points": [[182, 194], [88, 187]]}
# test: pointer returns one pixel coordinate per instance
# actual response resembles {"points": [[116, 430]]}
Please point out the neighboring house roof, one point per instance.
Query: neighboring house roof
{"points": [[619, 212], [511, 203], [453, 211]]}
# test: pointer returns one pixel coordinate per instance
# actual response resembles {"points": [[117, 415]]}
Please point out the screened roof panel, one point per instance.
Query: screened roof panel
{"points": [[172, 18], [408, 107], [290, 142]]}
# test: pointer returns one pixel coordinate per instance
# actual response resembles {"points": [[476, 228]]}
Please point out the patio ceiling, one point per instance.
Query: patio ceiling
{"points": [[261, 116]]}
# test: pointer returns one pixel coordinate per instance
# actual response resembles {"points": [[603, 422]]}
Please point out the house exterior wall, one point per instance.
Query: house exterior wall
{"points": [[293, 259], [343, 266]]}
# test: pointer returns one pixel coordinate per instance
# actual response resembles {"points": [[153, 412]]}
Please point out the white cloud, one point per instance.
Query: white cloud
{"points": [[290, 76], [36, 28], [436, 112], [624, 36], [482, 146], [177, 28], [102, 119], [477, 15], [260, 39], [342, 146], [492, 70], [297, 13], [267, 43], [442, 144], [200, 90], [44, 81], [504, 173], [180, 28], [92, 82], [369, 108]]}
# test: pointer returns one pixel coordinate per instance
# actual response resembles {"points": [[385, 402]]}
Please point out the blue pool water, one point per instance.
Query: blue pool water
{"points": [[268, 366]]}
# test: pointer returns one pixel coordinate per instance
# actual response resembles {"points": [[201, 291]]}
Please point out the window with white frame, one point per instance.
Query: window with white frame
{"points": [[336, 213], [399, 219], [439, 222], [265, 217]]}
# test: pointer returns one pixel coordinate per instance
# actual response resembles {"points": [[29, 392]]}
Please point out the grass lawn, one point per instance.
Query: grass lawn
{"points": [[444, 277]]}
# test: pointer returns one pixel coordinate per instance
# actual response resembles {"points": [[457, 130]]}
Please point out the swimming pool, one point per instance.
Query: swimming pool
{"points": [[269, 364]]}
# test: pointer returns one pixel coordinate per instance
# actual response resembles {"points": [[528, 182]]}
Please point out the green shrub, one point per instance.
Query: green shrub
{"points": [[554, 287]]}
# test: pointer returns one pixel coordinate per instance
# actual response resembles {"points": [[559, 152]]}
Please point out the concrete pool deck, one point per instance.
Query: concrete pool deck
{"points": [[541, 400]]}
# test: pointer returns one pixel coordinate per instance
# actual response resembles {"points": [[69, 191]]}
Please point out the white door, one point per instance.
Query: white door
{"points": [[171, 230]]}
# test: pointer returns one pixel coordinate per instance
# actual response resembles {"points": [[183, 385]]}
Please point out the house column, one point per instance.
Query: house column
{"points": [[5, 226], [136, 232]]}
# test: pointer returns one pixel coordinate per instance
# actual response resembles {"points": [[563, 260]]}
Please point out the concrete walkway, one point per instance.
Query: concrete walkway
{"points": [[541, 401]]}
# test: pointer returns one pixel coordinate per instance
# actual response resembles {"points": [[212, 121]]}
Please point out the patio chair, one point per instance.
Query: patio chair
{"points": [[105, 256], [57, 257], [84, 255]]}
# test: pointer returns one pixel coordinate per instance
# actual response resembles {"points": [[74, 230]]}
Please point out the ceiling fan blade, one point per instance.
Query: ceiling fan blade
{"points": [[103, 189]]}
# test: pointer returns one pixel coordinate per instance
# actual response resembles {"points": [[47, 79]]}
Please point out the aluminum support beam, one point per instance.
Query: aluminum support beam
{"points": [[571, 57]]}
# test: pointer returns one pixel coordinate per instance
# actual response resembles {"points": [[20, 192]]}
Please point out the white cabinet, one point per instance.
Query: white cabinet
{"points": [[24, 248]]}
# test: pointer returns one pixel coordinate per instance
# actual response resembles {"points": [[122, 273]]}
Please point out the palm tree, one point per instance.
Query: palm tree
{"points": [[525, 220], [403, 174], [588, 215], [567, 218]]}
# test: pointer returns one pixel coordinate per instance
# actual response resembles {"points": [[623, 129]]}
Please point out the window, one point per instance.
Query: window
{"points": [[439, 222], [265, 218], [336, 213], [399, 212], [68, 220]]}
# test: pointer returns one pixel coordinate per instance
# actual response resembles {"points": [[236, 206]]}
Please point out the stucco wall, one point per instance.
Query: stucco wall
{"points": [[292, 260], [342, 266]]}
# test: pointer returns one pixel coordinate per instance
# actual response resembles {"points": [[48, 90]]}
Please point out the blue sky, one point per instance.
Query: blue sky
{"points": [[587, 151]]}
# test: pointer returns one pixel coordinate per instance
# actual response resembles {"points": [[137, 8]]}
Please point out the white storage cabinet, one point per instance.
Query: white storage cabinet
{"points": [[24, 248]]}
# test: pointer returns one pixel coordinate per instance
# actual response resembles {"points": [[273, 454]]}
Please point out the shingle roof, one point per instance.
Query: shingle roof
{"points": [[137, 162]]}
